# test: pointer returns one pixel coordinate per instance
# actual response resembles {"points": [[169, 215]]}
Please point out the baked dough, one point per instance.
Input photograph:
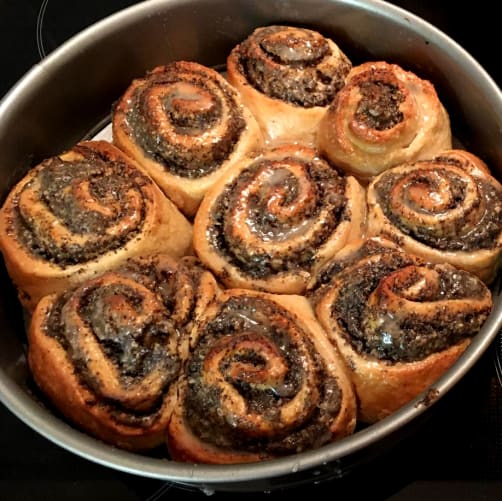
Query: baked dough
{"points": [[276, 217], [108, 353], [186, 125], [447, 210], [81, 213], [382, 117], [263, 381], [398, 321], [287, 76]]}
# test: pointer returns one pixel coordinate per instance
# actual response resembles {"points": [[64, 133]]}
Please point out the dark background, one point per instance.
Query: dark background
{"points": [[32, 28], [456, 453]]}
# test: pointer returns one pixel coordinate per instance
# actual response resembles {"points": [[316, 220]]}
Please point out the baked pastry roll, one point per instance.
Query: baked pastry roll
{"points": [[398, 321], [107, 354], [186, 125], [262, 381], [276, 217], [80, 213], [287, 76], [448, 209], [382, 117]]}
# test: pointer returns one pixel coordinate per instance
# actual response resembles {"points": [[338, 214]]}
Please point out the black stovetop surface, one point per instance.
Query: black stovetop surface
{"points": [[456, 453]]}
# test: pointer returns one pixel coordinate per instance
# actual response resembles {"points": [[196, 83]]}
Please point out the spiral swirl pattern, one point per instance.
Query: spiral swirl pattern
{"points": [[398, 321], [442, 209], [81, 213], [395, 307], [117, 343], [79, 206], [257, 385], [287, 76], [184, 116], [277, 217], [185, 124], [296, 65], [382, 117]]}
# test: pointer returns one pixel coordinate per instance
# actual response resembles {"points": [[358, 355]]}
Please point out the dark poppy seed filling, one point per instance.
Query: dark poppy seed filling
{"points": [[88, 198], [277, 210], [402, 312], [349, 308], [379, 105], [135, 316], [256, 348], [366, 250], [467, 210], [292, 65], [173, 104]]}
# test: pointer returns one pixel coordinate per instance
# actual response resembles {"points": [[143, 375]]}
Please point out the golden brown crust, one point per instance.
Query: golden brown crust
{"points": [[382, 117], [287, 76], [108, 353], [275, 218], [271, 387], [132, 339], [81, 213], [447, 209], [398, 322], [186, 125]]}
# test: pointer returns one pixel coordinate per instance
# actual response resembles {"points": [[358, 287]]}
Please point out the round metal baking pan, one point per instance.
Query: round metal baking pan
{"points": [[68, 96]]}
